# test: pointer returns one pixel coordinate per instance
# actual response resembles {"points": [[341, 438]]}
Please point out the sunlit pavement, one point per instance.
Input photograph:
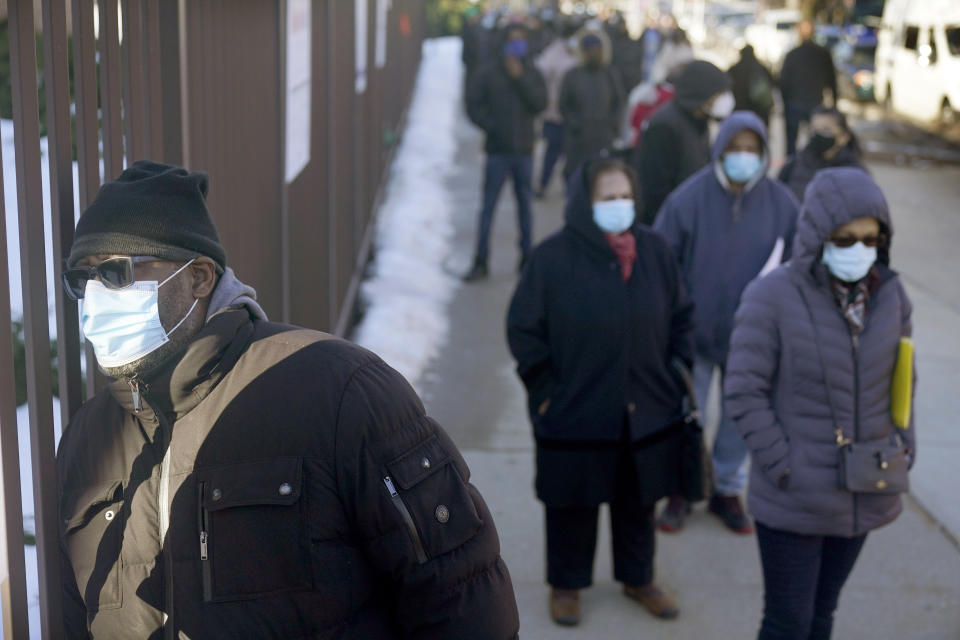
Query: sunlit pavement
{"points": [[906, 583]]}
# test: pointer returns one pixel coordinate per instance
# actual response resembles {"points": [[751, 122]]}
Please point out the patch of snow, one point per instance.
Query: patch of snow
{"points": [[408, 292]]}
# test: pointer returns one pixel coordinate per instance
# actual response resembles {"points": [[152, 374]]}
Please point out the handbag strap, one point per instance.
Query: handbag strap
{"points": [[842, 440], [684, 371]]}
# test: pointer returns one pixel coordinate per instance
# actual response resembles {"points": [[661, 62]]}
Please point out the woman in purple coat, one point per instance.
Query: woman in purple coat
{"points": [[814, 348]]}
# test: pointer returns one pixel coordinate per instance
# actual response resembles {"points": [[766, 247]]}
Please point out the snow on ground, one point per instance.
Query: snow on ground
{"points": [[408, 291]]}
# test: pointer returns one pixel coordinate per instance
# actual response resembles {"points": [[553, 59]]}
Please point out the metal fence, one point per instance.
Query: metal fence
{"points": [[198, 83]]}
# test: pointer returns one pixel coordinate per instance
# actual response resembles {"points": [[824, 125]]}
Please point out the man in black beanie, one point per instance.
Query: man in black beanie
{"points": [[676, 144], [244, 479]]}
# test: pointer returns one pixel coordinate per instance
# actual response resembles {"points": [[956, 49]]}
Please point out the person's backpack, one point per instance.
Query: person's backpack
{"points": [[760, 91]]}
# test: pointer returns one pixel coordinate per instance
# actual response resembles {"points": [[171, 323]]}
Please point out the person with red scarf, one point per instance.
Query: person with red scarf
{"points": [[597, 318]]}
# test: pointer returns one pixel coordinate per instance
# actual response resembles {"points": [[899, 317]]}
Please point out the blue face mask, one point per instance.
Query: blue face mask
{"points": [[123, 325], [849, 264], [614, 216], [742, 166], [516, 49]]}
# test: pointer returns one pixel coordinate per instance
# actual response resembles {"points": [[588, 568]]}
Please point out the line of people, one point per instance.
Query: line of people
{"points": [[681, 254]]}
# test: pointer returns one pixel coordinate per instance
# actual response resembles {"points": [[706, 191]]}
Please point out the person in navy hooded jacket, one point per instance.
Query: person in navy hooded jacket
{"points": [[727, 223]]}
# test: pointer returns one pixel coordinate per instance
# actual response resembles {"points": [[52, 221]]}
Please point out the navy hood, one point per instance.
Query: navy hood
{"points": [[578, 212], [833, 198], [734, 124]]}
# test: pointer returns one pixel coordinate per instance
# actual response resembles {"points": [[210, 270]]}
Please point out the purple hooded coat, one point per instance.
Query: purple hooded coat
{"points": [[775, 388]]}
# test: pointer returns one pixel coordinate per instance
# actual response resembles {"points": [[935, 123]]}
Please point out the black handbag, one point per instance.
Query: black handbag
{"points": [[694, 462], [870, 466]]}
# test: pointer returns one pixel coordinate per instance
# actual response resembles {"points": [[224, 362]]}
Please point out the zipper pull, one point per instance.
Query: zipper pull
{"points": [[390, 487], [203, 545], [856, 342], [842, 440], [135, 390]]}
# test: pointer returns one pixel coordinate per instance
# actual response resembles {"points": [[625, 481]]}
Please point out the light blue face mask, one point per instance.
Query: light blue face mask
{"points": [[849, 264], [614, 216], [123, 325], [742, 166]]}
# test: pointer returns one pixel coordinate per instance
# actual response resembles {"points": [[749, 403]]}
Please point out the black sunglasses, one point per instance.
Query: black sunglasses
{"points": [[114, 273], [849, 241]]}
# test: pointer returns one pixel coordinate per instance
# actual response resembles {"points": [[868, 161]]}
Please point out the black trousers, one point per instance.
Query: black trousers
{"points": [[802, 579], [572, 536]]}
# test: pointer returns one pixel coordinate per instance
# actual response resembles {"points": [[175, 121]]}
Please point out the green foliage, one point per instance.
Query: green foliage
{"points": [[20, 363], [445, 17]]}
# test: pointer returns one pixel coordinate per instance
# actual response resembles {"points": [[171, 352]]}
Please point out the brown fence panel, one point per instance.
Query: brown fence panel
{"points": [[60, 156], [26, 122]]}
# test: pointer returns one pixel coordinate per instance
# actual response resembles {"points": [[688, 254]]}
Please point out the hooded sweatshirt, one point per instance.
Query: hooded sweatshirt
{"points": [[723, 240], [776, 387]]}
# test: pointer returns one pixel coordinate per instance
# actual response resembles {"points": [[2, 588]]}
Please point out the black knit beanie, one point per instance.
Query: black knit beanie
{"points": [[698, 82], [152, 209]]}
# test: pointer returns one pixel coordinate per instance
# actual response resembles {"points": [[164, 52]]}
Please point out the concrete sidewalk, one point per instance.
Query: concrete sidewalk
{"points": [[906, 584]]}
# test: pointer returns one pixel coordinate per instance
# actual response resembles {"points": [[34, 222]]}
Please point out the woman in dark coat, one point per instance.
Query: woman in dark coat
{"points": [[597, 317], [832, 144], [813, 350]]}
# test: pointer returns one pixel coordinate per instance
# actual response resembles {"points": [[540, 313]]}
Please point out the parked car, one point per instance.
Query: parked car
{"points": [[918, 60], [854, 56]]}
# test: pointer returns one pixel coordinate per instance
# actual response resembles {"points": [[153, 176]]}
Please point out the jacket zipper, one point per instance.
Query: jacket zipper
{"points": [[407, 519], [163, 525], [204, 556], [855, 341]]}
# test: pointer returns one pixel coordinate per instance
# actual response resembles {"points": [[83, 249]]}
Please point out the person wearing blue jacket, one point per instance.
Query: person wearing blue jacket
{"points": [[727, 223]]}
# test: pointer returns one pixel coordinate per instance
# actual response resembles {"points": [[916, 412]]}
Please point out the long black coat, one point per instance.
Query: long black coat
{"points": [[807, 71], [505, 107], [674, 146], [591, 102], [599, 349], [249, 498]]}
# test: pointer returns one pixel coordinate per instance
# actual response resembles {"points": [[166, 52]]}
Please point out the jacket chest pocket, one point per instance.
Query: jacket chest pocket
{"points": [[432, 499], [92, 536], [251, 534]]}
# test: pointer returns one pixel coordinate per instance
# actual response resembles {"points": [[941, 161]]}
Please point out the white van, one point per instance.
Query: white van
{"points": [[917, 71]]}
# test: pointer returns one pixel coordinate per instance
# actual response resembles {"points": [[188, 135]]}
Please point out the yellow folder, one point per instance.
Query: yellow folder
{"points": [[901, 390]]}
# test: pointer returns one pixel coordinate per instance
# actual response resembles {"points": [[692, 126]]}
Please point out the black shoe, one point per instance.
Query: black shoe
{"points": [[730, 510], [477, 272], [674, 515]]}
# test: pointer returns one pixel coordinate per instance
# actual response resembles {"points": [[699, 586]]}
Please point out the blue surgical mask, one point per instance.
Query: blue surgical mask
{"points": [[517, 49], [849, 264], [742, 166], [614, 216], [123, 325]]}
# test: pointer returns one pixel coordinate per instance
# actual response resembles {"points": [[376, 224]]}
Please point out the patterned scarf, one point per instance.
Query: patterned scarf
{"points": [[852, 299], [624, 247]]}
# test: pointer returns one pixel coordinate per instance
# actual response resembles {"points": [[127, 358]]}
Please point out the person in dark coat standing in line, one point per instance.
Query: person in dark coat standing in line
{"points": [[503, 100], [726, 224], [596, 320], [559, 57], [832, 144], [752, 85], [591, 103], [626, 53], [807, 71], [675, 143], [814, 347], [243, 479]]}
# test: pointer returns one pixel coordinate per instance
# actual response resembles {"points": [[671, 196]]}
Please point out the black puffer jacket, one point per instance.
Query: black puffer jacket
{"points": [[276, 483], [591, 102], [505, 107]]}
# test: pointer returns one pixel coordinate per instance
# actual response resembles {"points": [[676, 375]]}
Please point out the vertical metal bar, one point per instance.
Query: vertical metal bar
{"points": [[26, 126], [152, 69], [13, 591], [110, 89], [88, 144], [134, 72], [285, 255], [60, 157]]}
